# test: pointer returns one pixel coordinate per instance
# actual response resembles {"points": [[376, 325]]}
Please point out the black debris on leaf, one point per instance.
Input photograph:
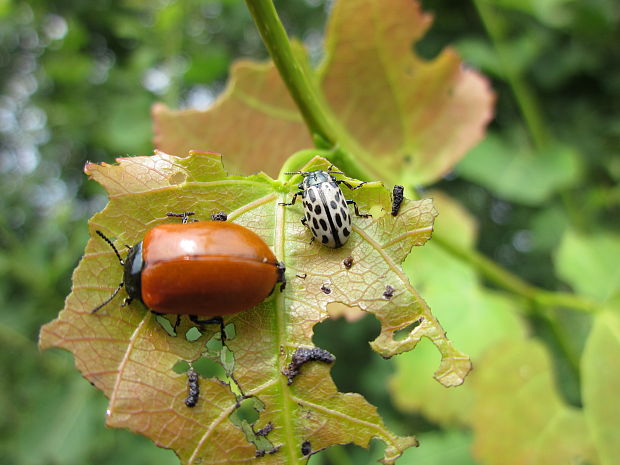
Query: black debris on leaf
{"points": [[193, 388], [303, 355], [397, 199]]}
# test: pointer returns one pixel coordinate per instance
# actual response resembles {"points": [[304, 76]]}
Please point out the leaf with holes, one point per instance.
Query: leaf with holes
{"points": [[420, 117], [133, 357]]}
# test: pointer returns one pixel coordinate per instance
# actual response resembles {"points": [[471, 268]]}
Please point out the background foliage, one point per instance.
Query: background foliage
{"points": [[78, 80]]}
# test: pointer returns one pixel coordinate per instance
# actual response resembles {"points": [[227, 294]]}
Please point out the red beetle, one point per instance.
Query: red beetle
{"points": [[204, 268]]}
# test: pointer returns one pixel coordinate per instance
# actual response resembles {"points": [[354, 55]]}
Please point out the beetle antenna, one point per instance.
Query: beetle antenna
{"points": [[303, 173], [107, 301], [330, 171], [103, 236]]}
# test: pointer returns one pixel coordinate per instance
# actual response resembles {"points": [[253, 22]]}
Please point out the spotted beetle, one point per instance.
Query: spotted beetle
{"points": [[326, 210]]}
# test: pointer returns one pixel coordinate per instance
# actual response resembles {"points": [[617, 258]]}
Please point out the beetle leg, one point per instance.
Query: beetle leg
{"points": [[340, 181], [215, 320], [281, 268], [183, 215], [304, 221], [177, 323], [357, 212], [292, 202]]}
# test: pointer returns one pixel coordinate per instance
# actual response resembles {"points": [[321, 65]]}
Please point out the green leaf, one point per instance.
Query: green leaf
{"points": [[474, 317], [518, 416], [512, 171], [131, 358], [589, 263], [418, 117], [254, 120], [451, 447], [601, 384]]}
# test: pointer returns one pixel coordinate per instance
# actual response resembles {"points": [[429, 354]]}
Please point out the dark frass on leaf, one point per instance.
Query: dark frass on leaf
{"points": [[303, 355], [193, 388]]}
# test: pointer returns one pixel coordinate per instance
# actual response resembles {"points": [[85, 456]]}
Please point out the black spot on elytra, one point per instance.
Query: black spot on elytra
{"points": [[337, 195], [344, 212], [324, 240], [338, 220], [317, 209], [315, 223], [323, 224], [346, 232], [333, 204], [312, 195]]}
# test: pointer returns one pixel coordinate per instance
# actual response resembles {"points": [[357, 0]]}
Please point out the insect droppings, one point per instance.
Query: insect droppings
{"points": [[304, 355], [397, 199]]}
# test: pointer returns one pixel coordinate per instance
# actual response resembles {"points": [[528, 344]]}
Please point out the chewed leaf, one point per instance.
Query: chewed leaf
{"points": [[475, 318], [127, 353], [418, 117], [255, 119]]}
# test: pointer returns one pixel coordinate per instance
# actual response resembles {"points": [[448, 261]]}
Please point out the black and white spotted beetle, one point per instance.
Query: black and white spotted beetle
{"points": [[326, 209]]}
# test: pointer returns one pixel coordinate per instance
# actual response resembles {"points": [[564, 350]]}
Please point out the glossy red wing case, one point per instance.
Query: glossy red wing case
{"points": [[206, 268]]}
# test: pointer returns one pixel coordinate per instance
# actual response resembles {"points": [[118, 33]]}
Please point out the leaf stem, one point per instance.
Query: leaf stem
{"points": [[319, 121], [512, 283], [297, 81]]}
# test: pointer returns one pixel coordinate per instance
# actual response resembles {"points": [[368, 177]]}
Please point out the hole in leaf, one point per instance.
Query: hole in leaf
{"points": [[181, 367], [245, 417], [349, 342], [349, 453], [165, 323], [227, 359], [247, 411], [404, 332], [209, 369], [428, 47], [193, 334], [230, 331]]}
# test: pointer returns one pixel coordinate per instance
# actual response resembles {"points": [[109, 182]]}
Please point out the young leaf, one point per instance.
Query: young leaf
{"points": [[515, 172], [601, 384], [127, 354], [589, 263], [255, 120], [518, 415], [419, 117], [474, 317]]}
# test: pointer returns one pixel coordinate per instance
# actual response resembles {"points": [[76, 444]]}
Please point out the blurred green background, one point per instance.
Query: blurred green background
{"points": [[77, 81]]}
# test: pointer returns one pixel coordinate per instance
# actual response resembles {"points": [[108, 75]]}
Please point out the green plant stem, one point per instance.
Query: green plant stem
{"points": [[307, 97], [512, 283], [524, 96], [297, 81]]}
